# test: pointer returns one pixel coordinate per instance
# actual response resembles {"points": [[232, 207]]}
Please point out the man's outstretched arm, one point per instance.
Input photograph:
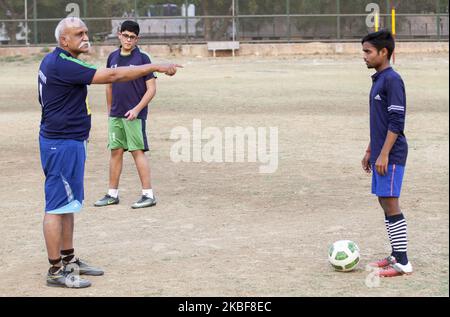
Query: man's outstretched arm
{"points": [[123, 74]]}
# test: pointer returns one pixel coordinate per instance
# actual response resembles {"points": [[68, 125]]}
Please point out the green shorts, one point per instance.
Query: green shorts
{"points": [[127, 135]]}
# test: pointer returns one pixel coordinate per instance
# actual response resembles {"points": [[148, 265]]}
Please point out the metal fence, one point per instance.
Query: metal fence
{"points": [[188, 21]]}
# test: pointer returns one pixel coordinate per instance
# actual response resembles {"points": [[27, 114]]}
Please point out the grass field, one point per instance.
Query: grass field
{"points": [[223, 229]]}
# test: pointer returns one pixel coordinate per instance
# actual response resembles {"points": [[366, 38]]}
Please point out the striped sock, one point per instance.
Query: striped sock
{"points": [[399, 238], [386, 222]]}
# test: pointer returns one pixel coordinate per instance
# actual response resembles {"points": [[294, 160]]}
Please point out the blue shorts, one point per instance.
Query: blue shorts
{"points": [[63, 164], [389, 185]]}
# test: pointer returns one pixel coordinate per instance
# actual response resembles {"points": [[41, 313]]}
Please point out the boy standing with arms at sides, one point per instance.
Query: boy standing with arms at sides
{"points": [[128, 107], [388, 149]]}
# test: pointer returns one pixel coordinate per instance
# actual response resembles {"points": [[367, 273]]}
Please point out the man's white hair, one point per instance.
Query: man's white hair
{"points": [[70, 22]]}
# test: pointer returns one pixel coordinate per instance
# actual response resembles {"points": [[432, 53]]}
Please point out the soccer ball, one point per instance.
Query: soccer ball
{"points": [[344, 255]]}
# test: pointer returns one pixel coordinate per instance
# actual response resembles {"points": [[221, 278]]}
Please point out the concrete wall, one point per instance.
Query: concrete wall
{"points": [[200, 50]]}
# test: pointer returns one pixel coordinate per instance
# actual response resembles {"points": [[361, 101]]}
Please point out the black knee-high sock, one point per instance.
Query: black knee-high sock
{"points": [[399, 238]]}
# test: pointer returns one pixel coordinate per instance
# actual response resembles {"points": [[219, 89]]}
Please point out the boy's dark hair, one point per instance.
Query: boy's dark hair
{"points": [[381, 39], [130, 26]]}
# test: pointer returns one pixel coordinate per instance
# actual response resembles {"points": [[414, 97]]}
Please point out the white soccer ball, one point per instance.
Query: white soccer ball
{"points": [[343, 255]]}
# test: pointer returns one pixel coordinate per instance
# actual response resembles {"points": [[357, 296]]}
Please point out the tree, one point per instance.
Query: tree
{"points": [[12, 10]]}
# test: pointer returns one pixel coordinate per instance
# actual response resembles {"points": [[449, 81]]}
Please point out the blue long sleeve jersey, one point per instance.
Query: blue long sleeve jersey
{"points": [[387, 113]]}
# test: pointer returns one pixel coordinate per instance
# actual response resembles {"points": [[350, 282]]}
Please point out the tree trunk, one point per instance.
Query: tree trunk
{"points": [[207, 24], [12, 28], [224, 28]]}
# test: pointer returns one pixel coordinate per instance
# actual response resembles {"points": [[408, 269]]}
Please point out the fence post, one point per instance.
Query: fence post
{"points": [[388, 10], [85, 8], [438, 19], [288, 16], [186, 20], [237, 20], [233, 21], [35, 26], [338, 17], [26, 22]]}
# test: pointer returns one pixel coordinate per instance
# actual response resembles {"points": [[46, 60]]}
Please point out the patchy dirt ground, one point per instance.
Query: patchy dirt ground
{"points": [[224, 229]]}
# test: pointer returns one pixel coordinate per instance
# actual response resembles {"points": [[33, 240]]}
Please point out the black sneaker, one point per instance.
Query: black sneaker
{"points": [[83, 268], [106, 201], [66, 278], [144, 202]]}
